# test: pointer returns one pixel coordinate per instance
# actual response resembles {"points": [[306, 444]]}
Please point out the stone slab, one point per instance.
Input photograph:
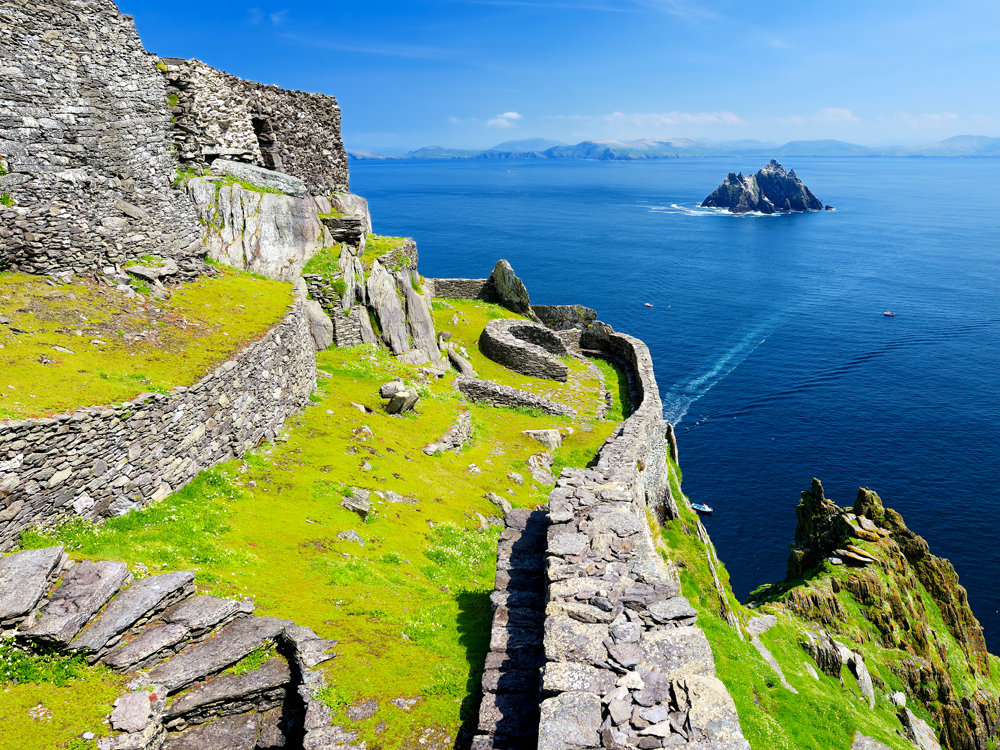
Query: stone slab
{"points": [[237, 732], [141, 600], [570, 720], [232, 688], [677, 652], [86, 587], [210, 657], [200, 614], [153, 641], [24, 579], [261, 177]]}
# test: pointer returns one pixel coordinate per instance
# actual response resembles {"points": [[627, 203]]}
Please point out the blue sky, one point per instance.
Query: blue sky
{"points": [[473, 74]]}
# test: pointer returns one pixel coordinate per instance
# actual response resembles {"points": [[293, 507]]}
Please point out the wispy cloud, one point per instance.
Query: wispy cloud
{"points": [[833, 114], [257, 16], [506, 120], [277, 18], [927, 121], [656, 119]]}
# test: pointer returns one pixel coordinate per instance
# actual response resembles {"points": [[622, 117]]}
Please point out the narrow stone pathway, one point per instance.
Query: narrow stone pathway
{"points": [[757, 627], [177, 647]]}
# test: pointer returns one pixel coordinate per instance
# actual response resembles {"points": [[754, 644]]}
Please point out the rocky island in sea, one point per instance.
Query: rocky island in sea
{"points": [[769, 191]]}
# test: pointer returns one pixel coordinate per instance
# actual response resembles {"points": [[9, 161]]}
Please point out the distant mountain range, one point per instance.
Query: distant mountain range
{"points": [[674, 148]]}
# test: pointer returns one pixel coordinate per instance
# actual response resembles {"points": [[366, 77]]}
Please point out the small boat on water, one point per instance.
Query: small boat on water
{"points": [[889, 314], [701, 508], [648, 305]]}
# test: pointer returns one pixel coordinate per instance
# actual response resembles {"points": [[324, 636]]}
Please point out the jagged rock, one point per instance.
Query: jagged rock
{"points": [[769, 190], [414, 357], [132, 606], [551, 438], [388, 390], [238, 732], [856, 663], [260, 690], [200, 614], [676, 608], [86, 587], [540, 467], [867, 743], [320, 325], [419, 321], [570, 720], [261, 177], [351, 536], [24, 578], [824, 651], [502, 504], [131, 712], [382, 298], [868, 504], [711, 711], [898, 699], [461, 364], [510, 289], [918, 731], [210, 657], [402, 401], [358, 503]]}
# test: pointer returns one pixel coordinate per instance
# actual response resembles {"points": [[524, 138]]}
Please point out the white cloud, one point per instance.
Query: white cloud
{"points": [[277, 18], [933, 120], [833, 114], [657, 119], [506, 120]]}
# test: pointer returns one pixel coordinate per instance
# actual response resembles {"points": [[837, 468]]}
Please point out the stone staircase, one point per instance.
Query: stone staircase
{"points": [[177, 646]]}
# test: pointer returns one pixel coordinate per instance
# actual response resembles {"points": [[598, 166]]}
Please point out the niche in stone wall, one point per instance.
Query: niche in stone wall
{"points": [[264, 131]]}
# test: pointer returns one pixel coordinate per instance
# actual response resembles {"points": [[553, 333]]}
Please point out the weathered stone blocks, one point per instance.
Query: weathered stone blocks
{"points": [[527, 348]]}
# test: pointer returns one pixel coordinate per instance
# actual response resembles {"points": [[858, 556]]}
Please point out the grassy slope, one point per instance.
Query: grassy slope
{"points": [[823, 715], [170, 342], [411, 607]]}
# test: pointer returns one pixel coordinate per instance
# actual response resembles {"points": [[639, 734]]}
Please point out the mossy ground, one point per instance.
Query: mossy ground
{"points": [[112, 348], [823, 715], [410, 608]]}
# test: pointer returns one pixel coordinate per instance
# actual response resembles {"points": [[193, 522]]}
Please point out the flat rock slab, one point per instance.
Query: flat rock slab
{"points": [[86, 587], [199, 614], [861, 742], [677, 652], [132, 712], [138, 602], [24, 579], [261, 177], [237, 732], [153, 642], [210, 657], [232, 688]]}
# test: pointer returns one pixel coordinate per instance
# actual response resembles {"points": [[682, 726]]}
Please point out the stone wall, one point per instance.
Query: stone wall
{"points": [[527, 348], [481, 289], [102, 461], [84, 138], [482, 391], [294, 132], [625, 664]]}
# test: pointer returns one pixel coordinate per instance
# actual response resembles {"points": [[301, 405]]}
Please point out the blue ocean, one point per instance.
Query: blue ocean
{"points": [[772, 353]]}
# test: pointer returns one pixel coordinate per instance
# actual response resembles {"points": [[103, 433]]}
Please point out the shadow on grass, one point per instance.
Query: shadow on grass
{"points": [[475, 618]]}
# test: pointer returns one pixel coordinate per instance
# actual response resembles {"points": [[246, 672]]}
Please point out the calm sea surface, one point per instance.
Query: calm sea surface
{"points": [[772, 354]]}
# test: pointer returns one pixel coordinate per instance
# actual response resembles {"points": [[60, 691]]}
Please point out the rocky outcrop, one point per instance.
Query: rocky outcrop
{"points": [[770, 190], [260, 177], [510, 290]]}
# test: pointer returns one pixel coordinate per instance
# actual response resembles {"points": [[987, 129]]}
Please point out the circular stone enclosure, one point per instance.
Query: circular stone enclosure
{"points": [[524, 347]]}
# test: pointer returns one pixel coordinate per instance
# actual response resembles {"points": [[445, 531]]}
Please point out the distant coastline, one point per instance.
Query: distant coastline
{"points": [[960, 146]]}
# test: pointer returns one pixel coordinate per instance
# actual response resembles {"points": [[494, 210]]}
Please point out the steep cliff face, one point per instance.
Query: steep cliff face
{"points": [[861, 574], [768, 191]]}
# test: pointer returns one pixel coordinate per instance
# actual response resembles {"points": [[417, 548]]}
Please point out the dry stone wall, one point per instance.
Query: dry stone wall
{"points": [[103, 461], [527, 348], [293, 132], [481, 289], [84, 139]]}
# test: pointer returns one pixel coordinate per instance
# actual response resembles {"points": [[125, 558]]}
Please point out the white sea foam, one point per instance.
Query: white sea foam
{"points": [[696, 210]]}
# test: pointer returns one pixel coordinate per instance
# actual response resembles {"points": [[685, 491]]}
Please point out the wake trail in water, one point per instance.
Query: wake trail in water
{"points": [[837, 372], [682, 394]]}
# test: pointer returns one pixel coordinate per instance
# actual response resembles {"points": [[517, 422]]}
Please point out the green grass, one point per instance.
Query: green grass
{"points": [[253, 661], [410, 608], [119, 348], [616, 381], [67, 697], [6, 199]]}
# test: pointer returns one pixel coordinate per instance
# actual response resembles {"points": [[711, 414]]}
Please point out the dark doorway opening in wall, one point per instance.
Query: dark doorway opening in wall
{"points": [[266, 140]]}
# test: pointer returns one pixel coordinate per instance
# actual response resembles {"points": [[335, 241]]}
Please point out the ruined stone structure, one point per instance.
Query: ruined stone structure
{"points": [[219, 115], [102, 461], [84, 142], [527, 348]]}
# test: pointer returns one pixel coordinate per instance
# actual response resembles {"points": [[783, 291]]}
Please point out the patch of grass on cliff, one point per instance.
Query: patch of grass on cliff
{"points": [[84, 343], [48, 700], [410, 607], [325, 263], [616, 381]]}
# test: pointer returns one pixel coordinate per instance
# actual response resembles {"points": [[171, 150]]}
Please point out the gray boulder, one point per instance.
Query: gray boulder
{"points": [[551, 439], [511, 290], [359, 503], [918, 731], [320, 325], [261, 177], [461, 363], [402, 401], [419, 321], [382, 298], [390, 389], [24, 578], [166, 267], [570, 720]]}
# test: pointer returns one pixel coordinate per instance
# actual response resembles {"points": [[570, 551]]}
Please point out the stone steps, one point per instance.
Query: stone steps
{"points": [[186, 642]]}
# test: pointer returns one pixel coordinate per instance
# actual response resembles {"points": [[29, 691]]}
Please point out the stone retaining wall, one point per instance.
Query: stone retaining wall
{"points": [[103, 461], [499, 395], [84, 138], [527, 348]]}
